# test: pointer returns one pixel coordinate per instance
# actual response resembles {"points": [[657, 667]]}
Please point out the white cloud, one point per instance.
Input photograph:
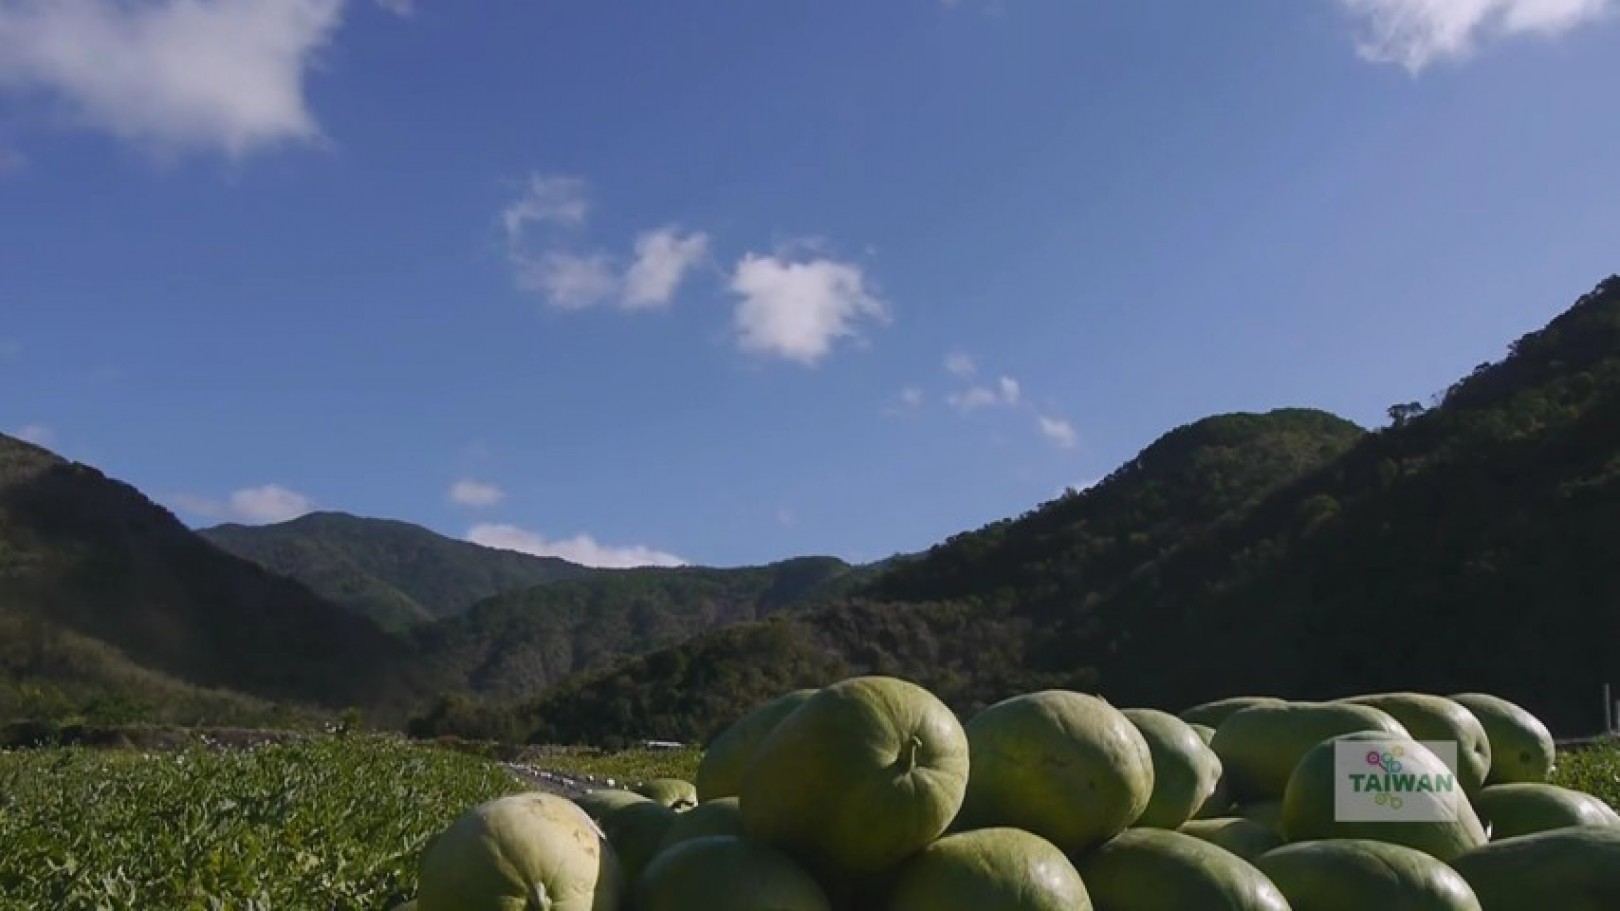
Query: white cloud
{"points": [[911, 397], [568, 281], [467, 492], [1007, 391], [249, 505], [959, 364], [1058, 431], [581, 549], [1416, 33], [787, 518], [798, 310], [38, 434], [398, 7], [172, 75], [546, 199], [662, 259]]}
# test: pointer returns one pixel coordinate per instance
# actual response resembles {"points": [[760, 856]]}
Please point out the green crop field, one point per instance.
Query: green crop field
{"points": [[332, 823]]}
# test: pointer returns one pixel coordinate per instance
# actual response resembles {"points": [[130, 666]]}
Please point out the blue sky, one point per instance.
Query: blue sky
{"points": [[726, 281]]}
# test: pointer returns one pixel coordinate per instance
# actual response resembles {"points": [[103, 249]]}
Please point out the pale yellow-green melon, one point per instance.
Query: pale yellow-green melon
{"points": [[726, 759], [863, 774], [1522, 748], [1260, 745], [1211, 714], [722, 816], [1436, 718], [1310, 811], [1361, 875], [636, 831], [1185, 769], [671, 792], [1161, 870], [1244, 837], [1571, 869], [1527, 807], [1219, 803], [1000, 869], [1204, 732], [600, 802], [1066, 766], [1268, 813], [726, 873], [518, 853]]}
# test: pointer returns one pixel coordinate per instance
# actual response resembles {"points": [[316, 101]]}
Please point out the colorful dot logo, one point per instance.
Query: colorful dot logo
{"points": [[1391, 764]]}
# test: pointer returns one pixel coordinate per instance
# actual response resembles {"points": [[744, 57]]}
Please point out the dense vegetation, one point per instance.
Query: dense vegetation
{"points": [[88, 563], [331, 823], [514, 645], [1467, 546], [396, 573]]}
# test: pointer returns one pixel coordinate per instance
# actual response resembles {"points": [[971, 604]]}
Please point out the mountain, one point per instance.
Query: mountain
{"points": [[108, 599], [1469, 545], [396, 573], [516, 644], [972, 616]]}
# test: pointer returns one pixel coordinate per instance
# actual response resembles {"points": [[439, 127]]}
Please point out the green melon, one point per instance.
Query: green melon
{"points": [[1268, 813], [636, 832], [1003, 869], [725, 761], [1436, 718], [671, 792], [1185, 769], [600, 802], [863, 774], [1260, 745], [1244, 837], [1522, 748], [1310, 811], [1570, 869], [715, 817], [1204, 732], [1361, 875], [1212, 714], [1525, 808], [1065, 766], [528, 850], [1220, 801], [1161, 870], [726, 873]]}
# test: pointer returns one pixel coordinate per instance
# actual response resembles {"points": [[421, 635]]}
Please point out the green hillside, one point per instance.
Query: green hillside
{"points": [[516, 644], [1470, 546], [396, 573], [973, 615], [103, 588]]}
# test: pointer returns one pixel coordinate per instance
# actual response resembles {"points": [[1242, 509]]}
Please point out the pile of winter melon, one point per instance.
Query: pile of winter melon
{"points": [[871, 794]]}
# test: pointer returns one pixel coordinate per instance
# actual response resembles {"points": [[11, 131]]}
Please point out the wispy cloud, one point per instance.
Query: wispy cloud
{"points": [[1058, 430], [403, 8], [961, 364], [467, 492], [1006, 392], [38, 434], [582, 548], [797, 310], [540, 228], [1418, 33], [249, 505], [172, 76]]}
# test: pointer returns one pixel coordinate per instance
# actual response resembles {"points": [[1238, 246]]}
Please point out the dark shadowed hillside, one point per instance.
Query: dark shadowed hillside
{"points": [[514, 645], [93, 575], [1471, 546], [396, 573], [973, 616]]}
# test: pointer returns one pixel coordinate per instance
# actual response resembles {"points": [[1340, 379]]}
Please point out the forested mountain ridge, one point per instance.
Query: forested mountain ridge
{"points": [[1469, 546], [112, 600], [396, 573]]}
